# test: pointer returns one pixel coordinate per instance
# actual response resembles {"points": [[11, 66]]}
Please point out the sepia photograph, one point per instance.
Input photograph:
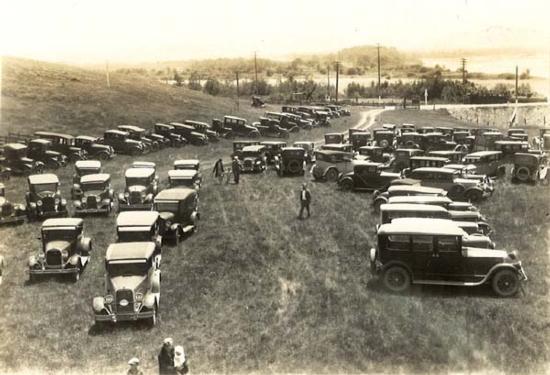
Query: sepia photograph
{"points": [[274, 187]]}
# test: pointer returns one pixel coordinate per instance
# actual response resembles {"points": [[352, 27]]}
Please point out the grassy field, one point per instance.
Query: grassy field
{"points": [[256, 290]]}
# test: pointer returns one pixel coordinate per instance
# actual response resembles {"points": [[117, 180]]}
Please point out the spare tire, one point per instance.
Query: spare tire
{"points": [[410, 144], [384, 143], [294, 166], [523, 174]]}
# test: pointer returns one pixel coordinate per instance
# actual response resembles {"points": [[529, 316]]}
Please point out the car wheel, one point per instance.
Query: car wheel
{"points": [[346, 184], [505, 283], [76, 276], [332, 174], [523, 174], [103, 156], [397, 279]]}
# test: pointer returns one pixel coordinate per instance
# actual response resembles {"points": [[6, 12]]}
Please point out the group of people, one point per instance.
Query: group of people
{"points": [[171, 360], [219, 170]]}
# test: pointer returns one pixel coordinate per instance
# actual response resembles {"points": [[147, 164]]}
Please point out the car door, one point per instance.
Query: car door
{"points": [[421, 253], [445, 262]]}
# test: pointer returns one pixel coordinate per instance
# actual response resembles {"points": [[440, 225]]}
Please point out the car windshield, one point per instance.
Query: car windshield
{"points": [[134, 268], [57, 235], [166, 206], [86, 171], [294, 153], [38, 188], [134, 236], [133, 181], [181, 181], [93, 186]]}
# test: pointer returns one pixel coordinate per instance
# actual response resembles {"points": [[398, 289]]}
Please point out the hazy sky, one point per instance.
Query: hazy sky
{"points": [[135, 31]]}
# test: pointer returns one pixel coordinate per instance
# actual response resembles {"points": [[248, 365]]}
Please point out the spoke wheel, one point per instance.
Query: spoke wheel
{"points": [[505, 283], [397, 279]]}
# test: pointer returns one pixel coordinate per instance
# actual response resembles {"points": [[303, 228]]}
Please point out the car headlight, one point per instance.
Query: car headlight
{"points": [[108, 298], [57, 201], [126, 194], [83, 200], [64, 253], [97, 198], [139, 297], [39, 202]]}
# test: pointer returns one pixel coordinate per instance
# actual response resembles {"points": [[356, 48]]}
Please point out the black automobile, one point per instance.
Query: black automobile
{"points": [[121, 142], [367, 176], [40, 149], [270, 128], [167, 131], [44, 197], [64, 144], [178, 211], [15, 158], [94, 148], [204, 128], [189, 133], [139, 134], [272, 149], [239, 127], [291, 161], [97, 195]]}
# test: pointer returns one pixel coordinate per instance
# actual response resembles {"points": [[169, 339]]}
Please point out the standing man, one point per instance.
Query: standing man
{"points": [[134, 367], [305, 200], [236, 169], [218, 171], [166, 357]]}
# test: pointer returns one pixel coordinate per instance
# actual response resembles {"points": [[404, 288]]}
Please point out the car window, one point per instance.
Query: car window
{"points": [[447, 244], [398, 242], [422, 243]]}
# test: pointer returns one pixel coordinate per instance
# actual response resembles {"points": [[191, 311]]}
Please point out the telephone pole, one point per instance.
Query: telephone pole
{"points": [[463, 68], [337, 76], [255, 75], [516, 84], [378, 53], [237, 77], [107, 74], [328, 82]]}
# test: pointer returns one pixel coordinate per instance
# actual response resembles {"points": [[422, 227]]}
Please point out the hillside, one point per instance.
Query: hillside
{"points": [[38, 95]]}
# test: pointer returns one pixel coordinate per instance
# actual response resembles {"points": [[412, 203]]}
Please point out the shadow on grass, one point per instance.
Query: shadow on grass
{"points": [[97, 329]]}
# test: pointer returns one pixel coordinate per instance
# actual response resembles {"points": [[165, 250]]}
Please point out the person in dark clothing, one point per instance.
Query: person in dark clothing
{"points": [[305, 200], [134, 367], [166, 358], [218, 170], [236, 169]]}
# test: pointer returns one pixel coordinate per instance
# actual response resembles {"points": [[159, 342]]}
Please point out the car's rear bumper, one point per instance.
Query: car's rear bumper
{"points": [[135, 207], [53, 271], [124, 317], [91, 210]]}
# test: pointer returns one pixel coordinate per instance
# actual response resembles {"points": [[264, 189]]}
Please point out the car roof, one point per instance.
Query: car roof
{"points": [[253, 148], [417, 188], [136, 218], [186, 162], [235, 118], [15, 146], [116, 131], [482, 153], [410, 207], [444, 152], [83, 164], [129, 250], [175, 194], [46, 178], [139, 172], [42, 141], [304, 143], [96, 177], [537, 156], [143, 164], [421, 226], [292, 149], [272, 143], [182, 173], [60, 135], [419, 198], [86, 138], [131, 127], [370, 148], [442, 223], [193, 122], [63, 222], [161, 124], [435, 169], [434, 158]]}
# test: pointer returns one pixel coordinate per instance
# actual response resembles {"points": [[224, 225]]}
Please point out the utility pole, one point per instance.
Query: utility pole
{"points": [[107, 74], [255, 75], [378, 52], [516, 84], [337, 73], [237, 76], [328, 82], [463, 68]]}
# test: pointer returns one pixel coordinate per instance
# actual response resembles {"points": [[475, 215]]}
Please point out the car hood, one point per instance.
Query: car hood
{"points": [[466, 181], [390, 174], [27, 160], [166, 215], [136, 188], [100, 147], [127, 282], [474, 252], [57, 245]]}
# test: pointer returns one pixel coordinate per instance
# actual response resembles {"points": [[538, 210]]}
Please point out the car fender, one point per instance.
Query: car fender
{"points": [[155, 282], [174, 227], [98, 304], [85, 244], [33, 261], [472, 188], [149, 300], [343, 179], [382, 199], [74, 260], [495, 269]]}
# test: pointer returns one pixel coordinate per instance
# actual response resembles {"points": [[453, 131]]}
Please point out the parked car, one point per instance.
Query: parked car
{"points": [[366, 175], [486, 141], [343, 147], [141, 188], [511, 147], [41, 150], [204, 128], [530, 168], [291, 161], [140, 164], [10, 213], [96, 195], [94, 148], [272, 150], [44, 198], [189, 133], [253, 158], [65, 249], [381, 197], [359, 139], [15, 159], [162, 141], [490, 163], [218, 127], [329, 164], [402, 157], [179, 213], [452, 156], [167, 131], [64, 144], [121, 142], [383, 138], [284, 121], [309, 148], [438, 200], [83, 168], [302, 123], [184, 178], [517, 134], [270, 128], [412, 252], [239, 127], [139, 134], [423, 162], [132, 290], [335, 138], [239, 145]]}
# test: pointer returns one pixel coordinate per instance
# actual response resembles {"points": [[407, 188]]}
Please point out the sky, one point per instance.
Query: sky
{"points": [[133, 31]]}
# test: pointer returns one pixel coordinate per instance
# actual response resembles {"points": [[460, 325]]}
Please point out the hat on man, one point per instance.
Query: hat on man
{"points": [[168, 341], [134, 361]]}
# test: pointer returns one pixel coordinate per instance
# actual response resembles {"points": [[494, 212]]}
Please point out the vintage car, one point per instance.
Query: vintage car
{"points": [[239, 145], [469, 171], [204, 128], [302, 123], [424, 161], [189, 133], [461, 136], [44, 197], [309, 148], [517, 134], [239, 127], [253, 158], [65, 249], [95, 195], [407, 128], [383, 138], [139, 134], [193, 164], [402, 158], [284, 121], [84, 167], [530, 167], [452, 156], [64, 144], [450, 180], [162, 141], [167, 131], [381, 197], [366, 175], [335, 138], [291, 161], [486, 141], [41, 150], [15, 158], [184, 178], [272, 149], [138, 226], [132, 284], [94, 148], [359, 139], [511, 147], [375, 154], [329, 164], [145, 164], [439, 200], [178, 211], [141, 188], [10, 213], [412, 252], [437, 141], [320, 116], [490, 163], [342, 147], [270, 128], [409, 140], [121, 142], [218, 127]]}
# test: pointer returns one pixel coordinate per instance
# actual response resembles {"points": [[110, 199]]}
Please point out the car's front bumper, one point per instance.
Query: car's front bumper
{"points": [[84, 211], [53, 271], [47, 214], [114, 317]]}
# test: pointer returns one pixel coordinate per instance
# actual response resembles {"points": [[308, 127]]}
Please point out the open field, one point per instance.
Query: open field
{"points": [[256, 290]]}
